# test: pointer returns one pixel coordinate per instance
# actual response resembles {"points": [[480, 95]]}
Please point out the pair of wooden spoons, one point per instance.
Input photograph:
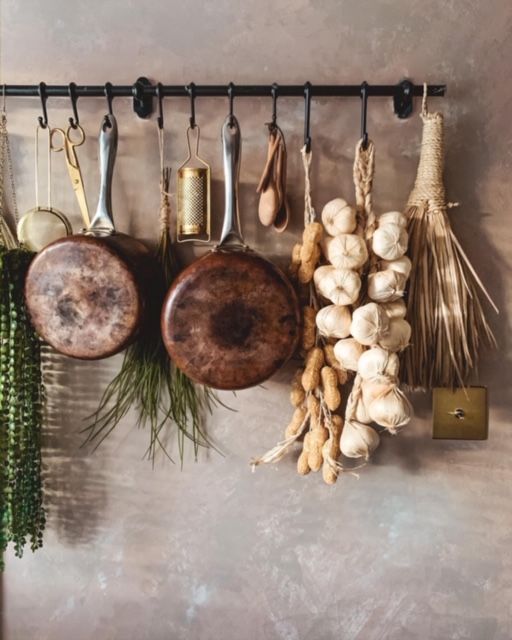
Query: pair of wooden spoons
{"points": [[273, 207]]}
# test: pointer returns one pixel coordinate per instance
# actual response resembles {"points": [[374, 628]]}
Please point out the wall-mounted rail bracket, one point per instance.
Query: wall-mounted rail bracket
{"points": [[142, 102]]}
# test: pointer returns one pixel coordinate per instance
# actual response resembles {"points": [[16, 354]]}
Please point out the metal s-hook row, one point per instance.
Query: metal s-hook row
{"points": [[231, 96], [43, 120], [74, 122], [307, 116], [191, 90], [364, 113], [110, 97]]}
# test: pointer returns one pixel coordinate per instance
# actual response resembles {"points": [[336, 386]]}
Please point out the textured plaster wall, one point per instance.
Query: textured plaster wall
{"points": [[419, 546]]}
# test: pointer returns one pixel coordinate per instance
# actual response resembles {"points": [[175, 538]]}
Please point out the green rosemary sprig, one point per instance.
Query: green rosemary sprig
{"points": [[21, 396]]}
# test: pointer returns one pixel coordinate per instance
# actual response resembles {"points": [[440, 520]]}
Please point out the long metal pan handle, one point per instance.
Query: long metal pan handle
{"points": [[103, 220], [232, 146]]}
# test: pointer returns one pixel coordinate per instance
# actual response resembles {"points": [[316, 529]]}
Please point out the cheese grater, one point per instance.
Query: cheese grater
{"points": [[193, 217]]}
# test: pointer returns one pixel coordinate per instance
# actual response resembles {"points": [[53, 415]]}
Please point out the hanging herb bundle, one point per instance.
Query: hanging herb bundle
{"points": [[148, 380], [22, 517]]}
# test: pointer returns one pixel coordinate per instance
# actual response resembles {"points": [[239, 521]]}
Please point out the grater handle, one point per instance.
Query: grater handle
{"points": [[103, 221], [232, 145]]}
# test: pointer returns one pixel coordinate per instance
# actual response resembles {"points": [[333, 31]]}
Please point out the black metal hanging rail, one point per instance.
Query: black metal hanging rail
{"points": [[143, 92]]}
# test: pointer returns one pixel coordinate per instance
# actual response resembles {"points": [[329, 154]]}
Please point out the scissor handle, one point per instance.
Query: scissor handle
{"points": [[53, 145], [80, 137]]}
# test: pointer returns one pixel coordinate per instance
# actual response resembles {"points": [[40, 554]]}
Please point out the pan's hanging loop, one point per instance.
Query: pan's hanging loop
{"points": [[307, 116], [159, 91], [191, 89], [364, 112], [75, 120], [231, 96], [107, 122], [43, 120]]}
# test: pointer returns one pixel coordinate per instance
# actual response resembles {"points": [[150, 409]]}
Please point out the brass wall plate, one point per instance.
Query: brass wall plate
{"points": [[461, 414]]}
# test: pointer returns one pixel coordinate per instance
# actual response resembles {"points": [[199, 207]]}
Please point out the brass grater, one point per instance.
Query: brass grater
{"points": [[193, 217]]}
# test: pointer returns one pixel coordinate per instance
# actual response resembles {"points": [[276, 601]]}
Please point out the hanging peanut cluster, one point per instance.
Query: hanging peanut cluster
{"points": [[353, 270]]}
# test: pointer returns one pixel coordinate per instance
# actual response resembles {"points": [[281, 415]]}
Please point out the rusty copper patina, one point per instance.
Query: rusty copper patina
{"points": [[230, 320], [87, 296]]}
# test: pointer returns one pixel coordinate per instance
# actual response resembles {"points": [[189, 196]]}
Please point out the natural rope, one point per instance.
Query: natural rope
{"points": [[309, 212], [364, 169]]}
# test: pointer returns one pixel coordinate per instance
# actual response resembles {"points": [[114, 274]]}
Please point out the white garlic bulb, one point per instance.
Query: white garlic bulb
{"points": [[377, 362], [392, 217], [374, 388], [397, 336], [358, 440], [395, 309], [361, 412], [391, 409], [347, 352], [369, 324], [320, 274], [400, 265], [347, 251], [340, 286], [386, 286], [389, 241], [339, 217], [334, 321]]}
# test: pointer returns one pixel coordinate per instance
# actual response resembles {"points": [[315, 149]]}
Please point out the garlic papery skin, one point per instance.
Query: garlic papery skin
{"points": [[361, 412], [320, 274], [374, 388], [369, 323], [386, 286], [339, 217], [358, 440], [391, 410], [389, 241], [340, 286], [392, 217], [347, 251], [395, 309], [398, 335], [376, 362], [401, 265], [348, 352], [334, 321]]}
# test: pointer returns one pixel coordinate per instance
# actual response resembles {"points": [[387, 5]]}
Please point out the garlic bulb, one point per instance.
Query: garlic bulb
{"points": [[390, 241], [358, 440], [377, 362], [386, 286], [395, 309], [338, 217], [369, 324], [362, 413], [333, 321], [398, 335], [320, 274], [340, 286], [374, 388], [400, 265], [391, 410], [347, 352], [347, 251], [392, 217]]}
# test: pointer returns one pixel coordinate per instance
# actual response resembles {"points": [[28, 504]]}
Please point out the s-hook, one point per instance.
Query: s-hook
{"points": [[191, 90], [160, 99], [307, 116], [74, 121], [43, 120], [364, 110], [273, 92], [231, 96], [109, 96]]}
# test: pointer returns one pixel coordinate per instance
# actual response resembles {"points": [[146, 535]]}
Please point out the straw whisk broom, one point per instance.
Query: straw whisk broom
{"points": [[443, 306]]}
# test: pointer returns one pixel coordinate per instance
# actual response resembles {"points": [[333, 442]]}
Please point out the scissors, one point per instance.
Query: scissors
{"points": [[68, 145]]}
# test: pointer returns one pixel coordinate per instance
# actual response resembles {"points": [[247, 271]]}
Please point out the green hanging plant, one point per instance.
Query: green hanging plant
{"points": [[21, 397], [149, 381]]}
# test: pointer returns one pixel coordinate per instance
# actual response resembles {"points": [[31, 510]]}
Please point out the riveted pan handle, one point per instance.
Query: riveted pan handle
{"points": [[232, 146], [102, 223]]}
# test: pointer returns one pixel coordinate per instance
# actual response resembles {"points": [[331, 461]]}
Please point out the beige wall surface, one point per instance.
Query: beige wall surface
{"points": [[417, 548]]}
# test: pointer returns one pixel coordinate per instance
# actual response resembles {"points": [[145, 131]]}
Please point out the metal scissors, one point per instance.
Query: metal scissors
{"points": [[68, 145]]}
